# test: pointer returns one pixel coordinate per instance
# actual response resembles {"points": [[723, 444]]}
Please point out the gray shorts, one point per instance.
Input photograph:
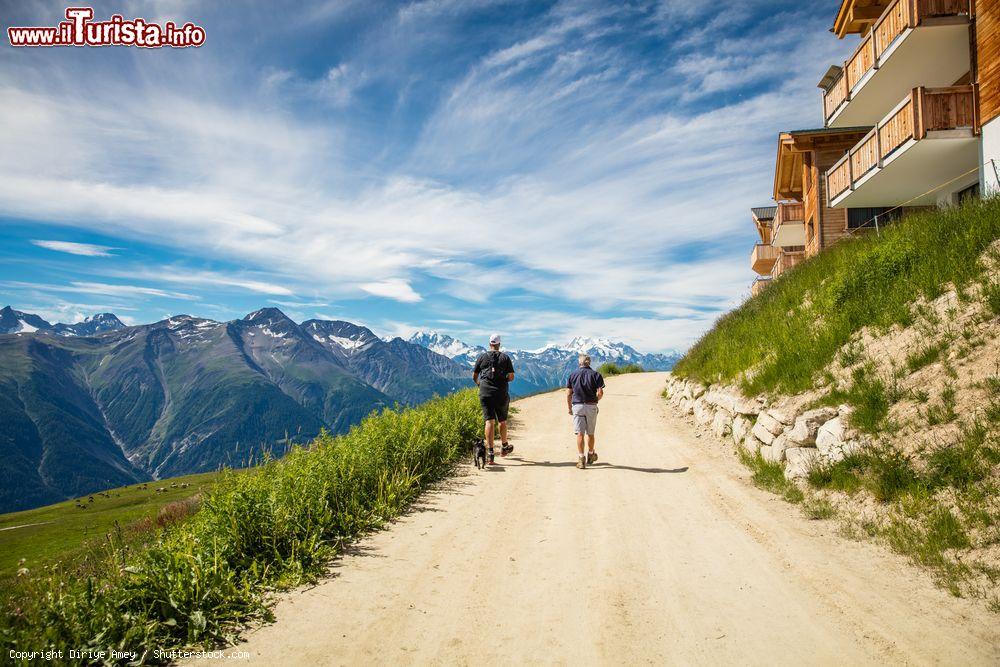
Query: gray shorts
{"points": [[584, 418]]}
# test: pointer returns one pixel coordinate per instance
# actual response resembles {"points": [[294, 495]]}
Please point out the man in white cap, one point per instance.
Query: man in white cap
{"points": [[493, 372]]}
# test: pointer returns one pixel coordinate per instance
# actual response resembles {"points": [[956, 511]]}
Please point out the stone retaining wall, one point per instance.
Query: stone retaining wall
{"points": [[798, 440]]}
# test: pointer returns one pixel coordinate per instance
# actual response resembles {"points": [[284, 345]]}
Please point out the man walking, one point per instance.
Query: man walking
{"points": [[584, 389], [494, 371]]}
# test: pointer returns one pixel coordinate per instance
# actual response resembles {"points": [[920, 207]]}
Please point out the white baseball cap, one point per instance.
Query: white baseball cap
{"points": [[495, 339]]}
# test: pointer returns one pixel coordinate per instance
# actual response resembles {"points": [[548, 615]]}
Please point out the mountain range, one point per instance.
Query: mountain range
{"points": [[98, 404], [549, 367], [83, 411]]}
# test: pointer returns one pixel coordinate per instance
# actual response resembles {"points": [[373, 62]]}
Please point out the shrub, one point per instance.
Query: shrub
{"points": [[273, 526], [891, 473], [609, 369]]}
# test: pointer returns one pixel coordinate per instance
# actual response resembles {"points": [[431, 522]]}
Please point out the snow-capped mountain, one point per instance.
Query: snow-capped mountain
{"points": [[14, 321], [548, 368], [447, 346], [350, 338], [90, 326], [609, 350]]}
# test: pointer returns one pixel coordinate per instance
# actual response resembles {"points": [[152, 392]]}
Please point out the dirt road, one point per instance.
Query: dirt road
{"points": [[661, 553]]}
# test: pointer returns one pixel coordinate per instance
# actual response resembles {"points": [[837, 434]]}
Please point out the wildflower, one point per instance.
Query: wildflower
{"points": [[22, 572]]}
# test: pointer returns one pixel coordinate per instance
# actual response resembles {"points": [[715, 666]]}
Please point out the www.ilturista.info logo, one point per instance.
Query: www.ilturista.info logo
{"points": [[80, 30]]}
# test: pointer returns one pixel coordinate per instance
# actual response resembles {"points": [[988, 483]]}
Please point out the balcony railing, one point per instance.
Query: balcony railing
{"points": [[763, 257], [786, 260], [789, 224], [894, 21], [923, 110], [759, 285], [789, 212]]}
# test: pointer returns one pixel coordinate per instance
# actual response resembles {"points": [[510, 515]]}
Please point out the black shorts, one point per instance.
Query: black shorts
{"points": [[495, 407]]}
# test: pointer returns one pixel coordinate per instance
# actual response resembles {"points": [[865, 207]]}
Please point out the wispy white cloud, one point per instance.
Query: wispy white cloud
{"points": [[83, 249], [398, 290], [558, 162], [202, 278], [103, 289]]}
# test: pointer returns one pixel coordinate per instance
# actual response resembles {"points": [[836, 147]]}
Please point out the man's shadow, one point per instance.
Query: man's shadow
{"points": [[601, 465]]}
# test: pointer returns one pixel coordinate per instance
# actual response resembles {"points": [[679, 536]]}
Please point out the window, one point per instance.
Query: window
{"points": [[971, 192], [864, 218]]}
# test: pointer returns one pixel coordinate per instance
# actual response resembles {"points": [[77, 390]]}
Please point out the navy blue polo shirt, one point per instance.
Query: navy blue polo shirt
{"points": [[585, 382]]}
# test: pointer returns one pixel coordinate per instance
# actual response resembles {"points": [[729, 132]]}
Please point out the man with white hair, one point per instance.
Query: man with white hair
{"points": [[494, 371], [584, 389]]}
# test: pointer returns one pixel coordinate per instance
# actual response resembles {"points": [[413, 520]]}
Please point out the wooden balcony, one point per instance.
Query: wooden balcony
{"points": [[789, 225], [945, 114], [940, 56], [787, 259], [759, 285], [763, 257]]}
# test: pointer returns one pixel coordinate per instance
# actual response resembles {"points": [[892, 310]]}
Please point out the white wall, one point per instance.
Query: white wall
{"points": [[989, 183], [948, 196]]}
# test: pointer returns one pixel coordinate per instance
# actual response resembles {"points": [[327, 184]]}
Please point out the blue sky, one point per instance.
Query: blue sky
{"points": [[545, 169]]}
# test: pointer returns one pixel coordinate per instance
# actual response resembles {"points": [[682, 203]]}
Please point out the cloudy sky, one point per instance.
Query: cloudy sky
{"points": [[544, 169]]}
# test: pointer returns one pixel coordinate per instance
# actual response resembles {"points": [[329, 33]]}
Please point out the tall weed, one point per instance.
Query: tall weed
{"points": [[274, 526]]}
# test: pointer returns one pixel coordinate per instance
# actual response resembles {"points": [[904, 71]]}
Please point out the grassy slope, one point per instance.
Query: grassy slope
{"points": [[63, 530], [934, 503], [197, 580], [782, 340]]}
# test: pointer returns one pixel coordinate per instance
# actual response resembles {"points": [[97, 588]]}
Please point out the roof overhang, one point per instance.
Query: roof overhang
{"points": [[791, 146], [787, 169], [856, 16]]}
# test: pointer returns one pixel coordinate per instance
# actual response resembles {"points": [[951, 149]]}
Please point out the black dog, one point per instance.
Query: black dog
{"points": [[479, 454]]}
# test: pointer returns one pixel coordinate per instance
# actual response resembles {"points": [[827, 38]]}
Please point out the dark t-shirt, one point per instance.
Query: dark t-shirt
{"points": [[493, 368], [585, 382]]}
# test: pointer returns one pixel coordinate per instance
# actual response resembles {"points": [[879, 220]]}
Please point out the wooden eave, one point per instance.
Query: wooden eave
{"points": [[787, 169], [792, 146], [857, 16]]}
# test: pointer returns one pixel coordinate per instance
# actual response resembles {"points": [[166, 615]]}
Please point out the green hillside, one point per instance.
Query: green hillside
{"points": [[781, 341], [901, 326], [195, 580], [63, 530]]}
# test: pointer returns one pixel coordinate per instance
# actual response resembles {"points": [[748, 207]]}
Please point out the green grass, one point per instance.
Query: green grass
{"points": [[943, 412], [818, 509], [770, 476], [63, 530], [610, 369], [938, 499], [870, 394], [925, 356], [991, 297], [197, 580], [781, 340]]}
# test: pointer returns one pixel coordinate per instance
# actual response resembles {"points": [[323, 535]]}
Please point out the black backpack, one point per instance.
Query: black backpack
{"points": [[491, 372]]}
